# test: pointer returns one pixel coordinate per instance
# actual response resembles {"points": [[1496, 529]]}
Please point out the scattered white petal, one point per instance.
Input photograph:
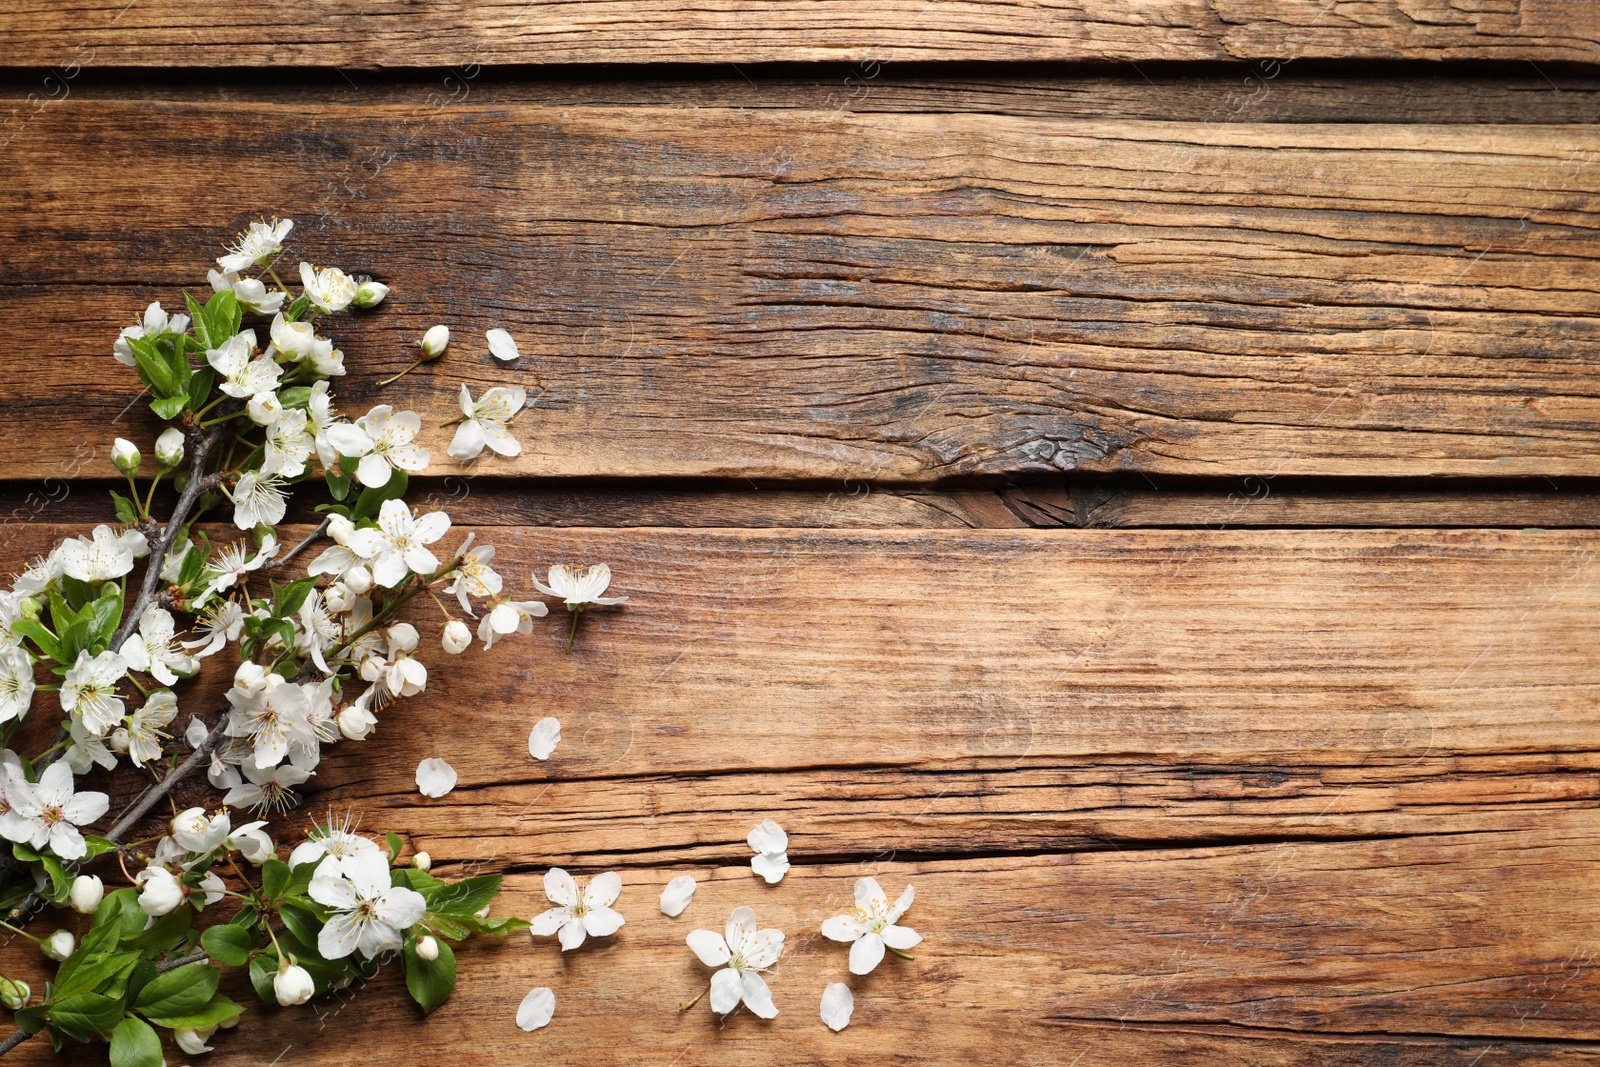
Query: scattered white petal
{"points": [[501, 346], [536, 1009], [837, 1006], [676, 896], [435, 777], [544, 737]]}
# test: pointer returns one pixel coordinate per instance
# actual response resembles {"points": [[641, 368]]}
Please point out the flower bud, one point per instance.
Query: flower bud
{"points": [[356, 722], [422, 861], [87, 893], [14, 993], [456, 637], [339, 598], [59, 945], [427, 949], [292, 984], [169, 448], [369, 294], [435, 341], [264, 409], [358, 579], [160, 892], [193, 1040], [340, 528], [125, 456]]}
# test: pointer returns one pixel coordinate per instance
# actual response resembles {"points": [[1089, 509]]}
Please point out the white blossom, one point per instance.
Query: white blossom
{"points": [[155, 648], [579, 914], [771, 847], [89, 690], [579, 589], [369, 911], [435, 777], [392, 434], [871, 926], [677, 894], [330, 288], [399, 543], [257, 244], [740, 955], [54, 811], [258, 499], [484, 423]]}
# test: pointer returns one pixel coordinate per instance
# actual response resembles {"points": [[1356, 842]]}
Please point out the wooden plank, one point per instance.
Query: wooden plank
{"points": [[822, 296], [165, 33], [1426, 951]]}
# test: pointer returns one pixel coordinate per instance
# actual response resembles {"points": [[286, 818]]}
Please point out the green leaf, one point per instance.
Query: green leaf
{"points": [[135, 1044], [86, 1015], [430, 981], [124, 508], [218, 1009], [180, 992], [43, 639], [170, 407], [228, 944]]}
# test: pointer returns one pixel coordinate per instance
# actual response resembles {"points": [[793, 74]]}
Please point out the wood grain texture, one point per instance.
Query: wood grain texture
{"points": [[163, 33], [820, 295]]}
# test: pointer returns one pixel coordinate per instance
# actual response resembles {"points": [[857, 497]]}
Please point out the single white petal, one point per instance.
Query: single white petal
{"points": [[435, 777], [757, 997], [726, 991], [901, 937], [866, 953], [676, 896], [770, 867], [603, 890], [710, 947], [544, 737], [838, 1004], [501, 346], [560, 888], [536, 1009], [768, 836]]}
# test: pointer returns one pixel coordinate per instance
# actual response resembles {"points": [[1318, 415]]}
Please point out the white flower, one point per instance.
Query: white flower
{"points": [[292, 984], [54, 811], [435, 777], [89, 691], [104, 556], [125, 456], [334, 438], [369, 294], [145, 727], [392, 435], [288, 445], [266, 790], [241, 376], [872, 926], [341, 842], [509, 617], [292, 339], [330, 288], [258, 499], [676, 896], [576, 914], [400, 542], [271, 717], [771, 847], [578, 589], [435, 341], [740, 955], [192, 1040], [838, 1004], [259, 243], [455, 637], [87, 893], [484, 423], [155, 648], [16, 683], [169, 447], [544, 737], [264, 408], [369, 912], [234, 562], [253, 843], [223, 623], [154, 324], [536, 1009], [474, 576], [252, 293], [502, 346]]}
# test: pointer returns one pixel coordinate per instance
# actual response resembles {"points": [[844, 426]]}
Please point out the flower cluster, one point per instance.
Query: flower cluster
{"points": [[111, 625]]}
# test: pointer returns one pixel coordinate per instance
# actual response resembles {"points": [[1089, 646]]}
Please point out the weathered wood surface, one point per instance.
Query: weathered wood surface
{"points": [[167, 33], [821, 295]]}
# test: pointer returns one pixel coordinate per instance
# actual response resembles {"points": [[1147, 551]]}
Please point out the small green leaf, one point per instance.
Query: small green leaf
{"points": [[135, 1044], [430, 981], [228, 944], [180, 992]]}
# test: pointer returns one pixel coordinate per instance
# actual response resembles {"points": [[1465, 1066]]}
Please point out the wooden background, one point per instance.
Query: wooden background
{"points": [[1124, 468]]}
